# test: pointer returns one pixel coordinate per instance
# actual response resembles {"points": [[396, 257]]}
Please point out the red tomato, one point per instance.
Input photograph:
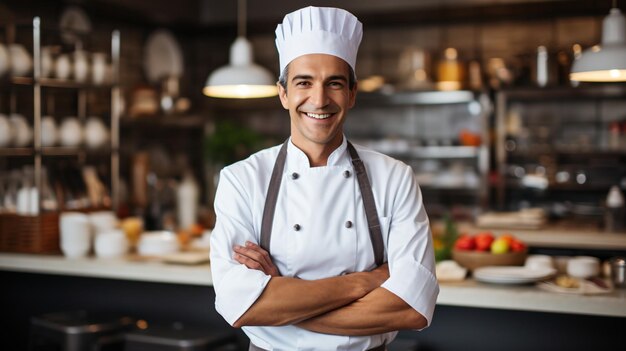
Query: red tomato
{"points": [[483, 241], [517, 246], [465, 242]]}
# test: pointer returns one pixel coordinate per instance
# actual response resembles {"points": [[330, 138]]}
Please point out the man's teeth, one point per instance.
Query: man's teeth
{"points": [[318, 116]]}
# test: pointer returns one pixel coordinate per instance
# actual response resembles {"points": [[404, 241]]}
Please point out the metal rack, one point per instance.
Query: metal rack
{"points": [[38, 82], [593, 108], [406, 109]]}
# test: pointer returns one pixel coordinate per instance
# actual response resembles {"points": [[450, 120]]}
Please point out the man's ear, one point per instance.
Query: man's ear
{"points": [[353, 95], [282, 94]]}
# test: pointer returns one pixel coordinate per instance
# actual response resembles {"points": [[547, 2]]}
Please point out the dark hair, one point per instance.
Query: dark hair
{"points": [[282, 80]]}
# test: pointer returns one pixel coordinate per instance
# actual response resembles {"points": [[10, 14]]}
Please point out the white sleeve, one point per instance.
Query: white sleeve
{"points": [[236, 286], [410, 249]]}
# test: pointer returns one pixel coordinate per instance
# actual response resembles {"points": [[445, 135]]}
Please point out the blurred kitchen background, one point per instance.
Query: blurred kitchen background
{"points": [[110, 154], [475, 95]]}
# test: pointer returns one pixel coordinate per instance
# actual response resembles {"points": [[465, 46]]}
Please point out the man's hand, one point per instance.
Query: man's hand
{"points": [[255, 257]]}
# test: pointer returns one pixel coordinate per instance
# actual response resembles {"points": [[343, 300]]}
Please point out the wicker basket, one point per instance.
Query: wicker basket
{"points": [[30, 234]]}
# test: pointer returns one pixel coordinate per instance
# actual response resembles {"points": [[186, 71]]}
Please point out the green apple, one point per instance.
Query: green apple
{"points": [[500, 246]]}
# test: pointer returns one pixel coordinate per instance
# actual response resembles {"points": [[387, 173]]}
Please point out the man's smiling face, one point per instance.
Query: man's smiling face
{"points": [[318, 98]]}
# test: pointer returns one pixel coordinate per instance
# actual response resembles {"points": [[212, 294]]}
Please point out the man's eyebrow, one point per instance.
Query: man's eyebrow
{"points": [[337, 77], [306, 77], [302, 76]]}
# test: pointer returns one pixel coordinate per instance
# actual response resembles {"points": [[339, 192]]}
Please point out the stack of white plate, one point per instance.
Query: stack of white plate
{"points": [[512, 274]]}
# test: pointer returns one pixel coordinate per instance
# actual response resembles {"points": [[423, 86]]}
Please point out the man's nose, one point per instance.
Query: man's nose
{"points": [[319, 97]]}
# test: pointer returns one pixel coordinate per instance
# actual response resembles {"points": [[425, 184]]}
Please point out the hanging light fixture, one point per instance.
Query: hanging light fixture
{"points": [[605, 62], [241, 78]]}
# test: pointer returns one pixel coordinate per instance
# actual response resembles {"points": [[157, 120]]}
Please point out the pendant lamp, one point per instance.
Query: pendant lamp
{"points": [[241, 78], [605, 62]]}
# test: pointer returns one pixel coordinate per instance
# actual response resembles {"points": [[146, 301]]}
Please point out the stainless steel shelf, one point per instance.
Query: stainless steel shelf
{"points": [[435, 152], [57, 83], [54, 151], [418, 98]]}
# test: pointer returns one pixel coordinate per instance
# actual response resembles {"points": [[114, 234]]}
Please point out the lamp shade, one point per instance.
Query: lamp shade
{"points": [[242, 78], [605, 62]]}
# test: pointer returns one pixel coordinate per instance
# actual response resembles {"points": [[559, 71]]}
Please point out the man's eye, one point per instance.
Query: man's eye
{"points": [[336, 84], [302, 83]]}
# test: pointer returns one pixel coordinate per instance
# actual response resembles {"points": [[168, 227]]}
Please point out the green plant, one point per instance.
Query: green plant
{"points": [[230, 143]]}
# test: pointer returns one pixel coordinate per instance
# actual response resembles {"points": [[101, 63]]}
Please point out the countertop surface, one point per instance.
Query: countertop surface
{"points": [[559, 236], [467, 293]]}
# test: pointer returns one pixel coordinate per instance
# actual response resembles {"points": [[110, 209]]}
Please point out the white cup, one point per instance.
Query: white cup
{"points": [[539, 262], [102, 221], [112, 243], [75, 231], [583, 267]]}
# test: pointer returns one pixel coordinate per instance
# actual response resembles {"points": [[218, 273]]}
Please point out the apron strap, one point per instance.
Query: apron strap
{"points": [[373, 223], [364, 186], [272, 197]]}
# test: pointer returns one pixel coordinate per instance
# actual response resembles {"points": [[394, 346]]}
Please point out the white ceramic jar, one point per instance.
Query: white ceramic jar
{"points": [[81, 66], [96, 133], [49, 131], [5, 131], [98, 68], [71, 132], [22, 132], [63, 67], [21, 61]]}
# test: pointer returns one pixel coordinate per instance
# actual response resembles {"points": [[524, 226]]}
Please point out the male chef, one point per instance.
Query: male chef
{"points": [[320, 244]]}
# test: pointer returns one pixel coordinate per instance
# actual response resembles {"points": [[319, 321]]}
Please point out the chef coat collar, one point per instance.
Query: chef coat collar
{"points": [[297, 158]]}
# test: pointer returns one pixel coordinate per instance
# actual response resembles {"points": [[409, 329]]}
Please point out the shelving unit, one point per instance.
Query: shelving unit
{"points": [[562, 135], [416, 127], [39, 84]]}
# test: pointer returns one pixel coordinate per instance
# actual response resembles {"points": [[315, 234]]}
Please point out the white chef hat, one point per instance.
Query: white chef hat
{"points": [[318, 30]]}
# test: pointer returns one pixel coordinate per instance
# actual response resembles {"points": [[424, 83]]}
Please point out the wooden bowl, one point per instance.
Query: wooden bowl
{"points": [[475, 259]]}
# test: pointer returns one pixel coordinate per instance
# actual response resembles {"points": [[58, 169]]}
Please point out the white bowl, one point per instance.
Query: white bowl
{"points": [[583, 267], [112, 243], [539, 262], [157, 243]]}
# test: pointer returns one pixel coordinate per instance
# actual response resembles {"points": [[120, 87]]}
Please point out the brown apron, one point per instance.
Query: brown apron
{"points": [[366, 193]]}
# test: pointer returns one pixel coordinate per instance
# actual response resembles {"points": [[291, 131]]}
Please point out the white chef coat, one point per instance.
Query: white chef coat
{"points": [[320, 201]]}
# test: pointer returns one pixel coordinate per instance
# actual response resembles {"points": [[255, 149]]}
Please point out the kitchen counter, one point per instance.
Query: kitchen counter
{"points": [[559, 236], [115, 268], [468, 293]]}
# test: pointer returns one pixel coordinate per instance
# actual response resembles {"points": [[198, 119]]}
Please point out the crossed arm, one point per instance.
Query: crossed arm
{"points": [[352, 304]]}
